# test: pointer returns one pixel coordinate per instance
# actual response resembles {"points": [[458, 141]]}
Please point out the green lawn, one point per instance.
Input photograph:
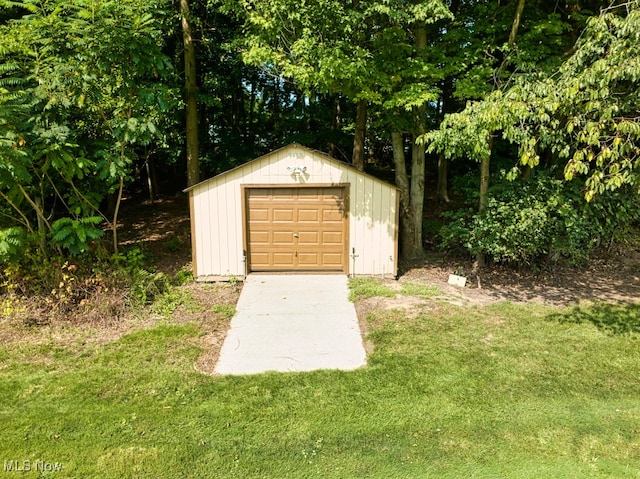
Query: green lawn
{"points": [[496, 392]]}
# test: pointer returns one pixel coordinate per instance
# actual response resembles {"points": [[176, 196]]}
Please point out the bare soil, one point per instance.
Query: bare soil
{"points": [[613, 277]]}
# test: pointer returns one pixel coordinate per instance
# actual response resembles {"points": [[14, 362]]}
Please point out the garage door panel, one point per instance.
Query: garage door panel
{"points": [[308, 216], [259, 215], [308, 238], [283, 259], [308, 260], [259, 260], [276, 194], [282, 215], [332, 237], [332, 259], [331, 216], [260, 237], [283, 238], [291, 229]]}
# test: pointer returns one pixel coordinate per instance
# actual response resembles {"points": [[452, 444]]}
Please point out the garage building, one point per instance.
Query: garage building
{"points": [[293, 210]]}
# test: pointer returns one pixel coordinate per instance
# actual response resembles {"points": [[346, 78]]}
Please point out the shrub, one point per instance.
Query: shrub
{"points": [[526, 221], [75, 235]]}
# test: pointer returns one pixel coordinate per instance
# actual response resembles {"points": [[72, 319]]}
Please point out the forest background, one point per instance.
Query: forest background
{"points": [[517, 121]]}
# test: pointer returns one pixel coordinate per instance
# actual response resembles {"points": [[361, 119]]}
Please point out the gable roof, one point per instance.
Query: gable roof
{"points": [[325, 157]]}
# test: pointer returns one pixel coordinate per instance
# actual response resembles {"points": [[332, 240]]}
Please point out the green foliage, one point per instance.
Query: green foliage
{"points": [[424, 291], [363, 288], [82, 86], [174, 244], [583, 116], [76, 235], [144, 286], [543, 218], [171, 299], [225, 311], [133, 259], [363, 50], [183, 276], [12, 243]]}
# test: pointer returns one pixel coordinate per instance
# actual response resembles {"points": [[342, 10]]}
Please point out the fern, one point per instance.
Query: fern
{"points": [[11, 243], [75, 235]]}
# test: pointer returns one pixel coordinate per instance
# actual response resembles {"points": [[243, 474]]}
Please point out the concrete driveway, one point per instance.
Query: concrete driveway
{"points": [[292, 323]]}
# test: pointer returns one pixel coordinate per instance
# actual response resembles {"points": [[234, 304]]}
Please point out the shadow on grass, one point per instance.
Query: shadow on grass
{"points": [[615, 319]]}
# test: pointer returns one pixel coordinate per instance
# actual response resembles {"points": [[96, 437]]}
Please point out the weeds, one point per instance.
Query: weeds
{"points": [[226, 311], [424, 291], [362, 288]]}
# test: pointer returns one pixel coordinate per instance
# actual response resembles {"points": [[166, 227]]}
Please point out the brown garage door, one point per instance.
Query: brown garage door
{"points": [[296, 229]]}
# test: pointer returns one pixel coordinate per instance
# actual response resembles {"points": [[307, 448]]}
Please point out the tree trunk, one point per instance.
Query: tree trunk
{"points": [[448, 106], [516, 22], [193, 168], [335, 125], [149, 179], [360, 135], [115, 216], [442, 193], [248, 134], [418, 160], [402, 182], [485, 164], [417, 197], [485, 177]]}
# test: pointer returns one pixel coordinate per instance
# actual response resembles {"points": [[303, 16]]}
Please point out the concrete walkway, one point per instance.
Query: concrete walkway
{"points": [[292, 323]]}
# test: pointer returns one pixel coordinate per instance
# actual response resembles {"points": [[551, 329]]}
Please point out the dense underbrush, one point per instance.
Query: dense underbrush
{"points": [[528, 222], [89, 288]]}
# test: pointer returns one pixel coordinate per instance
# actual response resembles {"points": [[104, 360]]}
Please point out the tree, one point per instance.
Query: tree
{"points": [[374, 53], [585, 114], [581, 119], [81, 86], [190, 89]]}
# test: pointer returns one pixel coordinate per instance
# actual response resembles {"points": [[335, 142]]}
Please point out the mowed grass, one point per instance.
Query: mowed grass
{"points": [[502, 391]]}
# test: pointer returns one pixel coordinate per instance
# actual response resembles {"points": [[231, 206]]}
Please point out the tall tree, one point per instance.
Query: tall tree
{"points": [[582, 117], [190, 93], [373, 52], [81, 86]]}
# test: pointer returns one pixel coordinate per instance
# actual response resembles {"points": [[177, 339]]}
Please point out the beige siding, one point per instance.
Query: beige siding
{"points": [[218, 216]]}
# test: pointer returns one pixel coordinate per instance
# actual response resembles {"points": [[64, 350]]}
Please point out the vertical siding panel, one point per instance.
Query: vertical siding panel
{"points": [[231, 238], [213, 222], [225, 227], [353, 211], [382, 212], [237, 266], [378, 239], [362, 262], [197, 231], [207, 210], [272, 167], [372, 228], [392, 229]]}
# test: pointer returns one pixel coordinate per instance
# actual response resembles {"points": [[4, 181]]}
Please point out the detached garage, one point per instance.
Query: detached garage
{"points": [[293, 210]]}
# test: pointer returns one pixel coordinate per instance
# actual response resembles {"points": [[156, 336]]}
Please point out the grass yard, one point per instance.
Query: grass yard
{"points": [[502, 391]]}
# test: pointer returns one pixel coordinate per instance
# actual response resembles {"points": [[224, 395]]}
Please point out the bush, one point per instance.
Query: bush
{"points": [[144, 285], [76, 235], [526, 221]]}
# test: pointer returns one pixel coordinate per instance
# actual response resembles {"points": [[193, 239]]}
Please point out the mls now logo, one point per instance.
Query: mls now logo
{"points": [[26, 466]]}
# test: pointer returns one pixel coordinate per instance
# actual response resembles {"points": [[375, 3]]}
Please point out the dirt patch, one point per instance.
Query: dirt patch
{"points": [[161, 229], [611, 278]]}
